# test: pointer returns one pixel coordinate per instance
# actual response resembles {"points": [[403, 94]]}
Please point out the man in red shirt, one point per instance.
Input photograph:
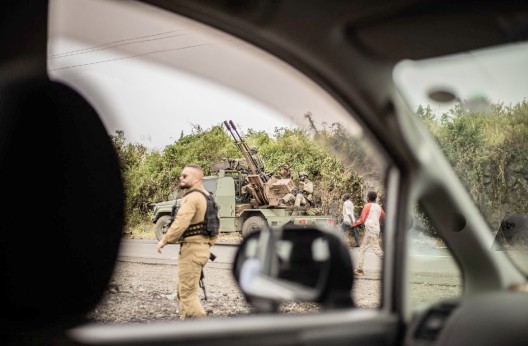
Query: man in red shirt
{"points": [[371, 215]]}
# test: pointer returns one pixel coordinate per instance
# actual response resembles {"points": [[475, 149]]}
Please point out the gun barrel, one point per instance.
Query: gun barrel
{"points": [[253, 166], [234, 128], [257, 188], [226, 123]]}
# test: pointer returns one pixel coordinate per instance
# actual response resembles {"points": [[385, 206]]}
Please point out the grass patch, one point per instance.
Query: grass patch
{"points": [[144, 230]]}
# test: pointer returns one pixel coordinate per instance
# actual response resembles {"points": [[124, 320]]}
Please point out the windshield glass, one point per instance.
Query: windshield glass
{"points": [[474, 105], [210, 185], [170, 92]]}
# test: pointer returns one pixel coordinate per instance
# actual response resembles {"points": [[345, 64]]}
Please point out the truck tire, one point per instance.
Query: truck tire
{"points": [[162, 225], [252, 224]]}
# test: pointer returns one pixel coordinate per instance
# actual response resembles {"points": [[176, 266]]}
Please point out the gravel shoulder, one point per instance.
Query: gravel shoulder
{"points": [[145, 292], [142, 293]]}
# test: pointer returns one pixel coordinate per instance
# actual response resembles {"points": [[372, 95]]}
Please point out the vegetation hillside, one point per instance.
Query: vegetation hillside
{"points": [[487, 150]]}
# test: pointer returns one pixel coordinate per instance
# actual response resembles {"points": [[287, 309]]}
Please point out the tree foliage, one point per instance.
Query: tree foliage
{"points": [[487, 151], [152, 175]]}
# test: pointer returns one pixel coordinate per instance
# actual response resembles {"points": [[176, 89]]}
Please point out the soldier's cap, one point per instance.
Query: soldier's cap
{"points": [[285, 165], [303, 174], [253, 148]]}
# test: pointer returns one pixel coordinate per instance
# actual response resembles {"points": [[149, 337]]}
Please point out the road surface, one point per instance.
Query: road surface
{"points": [[431, 265]]}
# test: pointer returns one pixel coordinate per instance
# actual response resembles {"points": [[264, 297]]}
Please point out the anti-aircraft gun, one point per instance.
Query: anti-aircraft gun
{"points": [[256, 209], [265, 188]]}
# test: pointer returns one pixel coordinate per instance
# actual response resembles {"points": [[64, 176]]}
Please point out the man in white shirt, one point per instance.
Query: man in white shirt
{"points": [[349, 218]]}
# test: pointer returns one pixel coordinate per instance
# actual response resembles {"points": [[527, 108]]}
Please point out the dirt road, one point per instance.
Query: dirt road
{"points": [[143, 292]]}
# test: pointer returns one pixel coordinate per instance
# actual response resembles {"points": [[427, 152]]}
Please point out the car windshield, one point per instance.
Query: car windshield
{"points": [[474, 105], [165, 90]]}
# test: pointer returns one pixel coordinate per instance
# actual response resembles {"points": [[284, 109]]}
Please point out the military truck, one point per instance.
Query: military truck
{"points": [[238, 214], [247, 196]]}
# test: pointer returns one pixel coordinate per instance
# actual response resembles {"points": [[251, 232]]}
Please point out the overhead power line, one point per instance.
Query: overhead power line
{"points": [[126, 57], [133, 40]]}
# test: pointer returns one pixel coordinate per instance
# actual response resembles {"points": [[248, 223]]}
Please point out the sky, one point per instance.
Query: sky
{"points": [[171, 102], [155, 75]]}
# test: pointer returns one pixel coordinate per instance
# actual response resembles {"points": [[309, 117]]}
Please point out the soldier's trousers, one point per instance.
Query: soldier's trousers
{"points": [[298, 200], [369, 240], [191, 260]]}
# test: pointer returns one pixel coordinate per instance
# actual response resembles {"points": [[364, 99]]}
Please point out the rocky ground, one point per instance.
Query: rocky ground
{"points": [[143, 293]]}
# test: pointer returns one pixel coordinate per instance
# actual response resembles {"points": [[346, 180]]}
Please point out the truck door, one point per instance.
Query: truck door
{"points": [[225, 197]]}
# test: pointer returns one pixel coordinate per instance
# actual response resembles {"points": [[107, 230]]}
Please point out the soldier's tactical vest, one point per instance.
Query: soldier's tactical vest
{"points": [[211, 224]]}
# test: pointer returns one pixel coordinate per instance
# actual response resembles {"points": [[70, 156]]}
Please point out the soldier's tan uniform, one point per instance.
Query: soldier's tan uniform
{"points": [[194, 253], [260, 162], [253, 151], [306, 193]]}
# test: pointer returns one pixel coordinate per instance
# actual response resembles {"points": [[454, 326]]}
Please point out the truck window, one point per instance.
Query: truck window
{"points": [[210, 185]]}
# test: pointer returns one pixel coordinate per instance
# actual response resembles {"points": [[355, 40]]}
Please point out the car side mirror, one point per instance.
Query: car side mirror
{"points": [[293, 263]]}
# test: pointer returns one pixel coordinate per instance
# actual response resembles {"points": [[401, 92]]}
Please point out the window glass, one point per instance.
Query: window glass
{"points": [[433, 274], [474, 105], [164, 87]]}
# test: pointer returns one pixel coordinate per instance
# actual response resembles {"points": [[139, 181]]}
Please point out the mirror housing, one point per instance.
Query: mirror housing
{"points": [[294, 263]]}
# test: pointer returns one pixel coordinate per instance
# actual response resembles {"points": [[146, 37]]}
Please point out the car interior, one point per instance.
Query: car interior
{"points": [[361, 57]]}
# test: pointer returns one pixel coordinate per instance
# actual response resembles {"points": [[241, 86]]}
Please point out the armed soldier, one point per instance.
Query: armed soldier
{"points": [[285, 172], [194, 249], [305, 194], [282, 171], [253, 150]]}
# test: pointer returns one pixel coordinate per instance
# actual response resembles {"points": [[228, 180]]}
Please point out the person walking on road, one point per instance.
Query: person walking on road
{"points": [[349, 219], [194, 248], [371, 215]]}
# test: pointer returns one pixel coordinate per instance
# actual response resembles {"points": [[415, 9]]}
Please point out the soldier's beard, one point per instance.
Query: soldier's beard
{"points": [[184, 186]]}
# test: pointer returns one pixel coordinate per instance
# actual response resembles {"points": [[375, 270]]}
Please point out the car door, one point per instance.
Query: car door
{"points": [[322, 57], [260, 73]]}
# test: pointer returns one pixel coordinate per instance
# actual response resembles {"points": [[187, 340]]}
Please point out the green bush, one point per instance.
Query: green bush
{"points": [[486, 150]]}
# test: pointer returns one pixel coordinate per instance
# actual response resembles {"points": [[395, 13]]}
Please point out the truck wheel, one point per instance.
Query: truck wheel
{"points": [[252, 224], [162, 225]]}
